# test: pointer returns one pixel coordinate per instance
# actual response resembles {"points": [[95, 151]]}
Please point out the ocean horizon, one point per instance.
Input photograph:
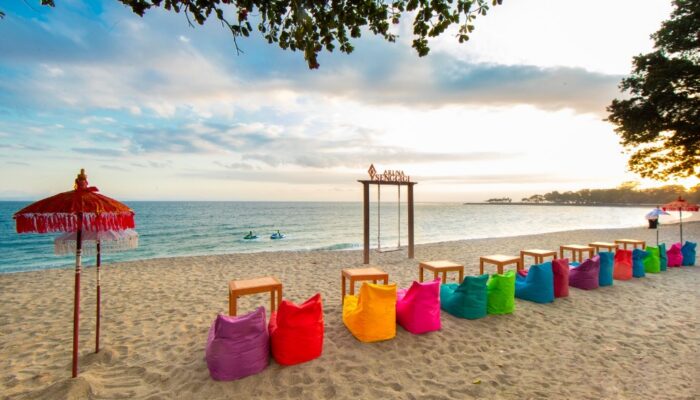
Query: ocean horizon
{"points": [[193, 228]]}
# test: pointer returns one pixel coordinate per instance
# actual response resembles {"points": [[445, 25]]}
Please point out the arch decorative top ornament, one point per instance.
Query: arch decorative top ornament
{"points": [[388, 175]]}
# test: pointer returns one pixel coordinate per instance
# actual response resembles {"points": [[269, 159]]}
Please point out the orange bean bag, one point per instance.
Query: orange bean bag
{"points": [[371, 316], [296, 331]]}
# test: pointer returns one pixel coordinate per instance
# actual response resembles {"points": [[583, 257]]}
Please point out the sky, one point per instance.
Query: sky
{"points": [[156, 110]]}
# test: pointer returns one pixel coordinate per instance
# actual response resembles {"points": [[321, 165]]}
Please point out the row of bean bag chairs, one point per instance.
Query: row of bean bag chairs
{"points": [[689, 253], [240, 346]]}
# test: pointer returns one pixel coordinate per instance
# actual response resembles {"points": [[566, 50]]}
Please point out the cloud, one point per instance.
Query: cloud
{"points": [[98, 151]]}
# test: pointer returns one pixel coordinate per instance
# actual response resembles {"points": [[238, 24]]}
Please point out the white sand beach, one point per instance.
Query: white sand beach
{"points": [[638, 339]]}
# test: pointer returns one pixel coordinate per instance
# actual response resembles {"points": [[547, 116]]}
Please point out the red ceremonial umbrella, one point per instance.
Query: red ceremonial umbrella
{"points": [[78, 210], [680, 205]]}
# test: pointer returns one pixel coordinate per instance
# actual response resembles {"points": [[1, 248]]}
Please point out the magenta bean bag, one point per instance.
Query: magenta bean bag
{"points": [[418, 307], [675, 255], [585, 276], [560, 269], [238, 346]]}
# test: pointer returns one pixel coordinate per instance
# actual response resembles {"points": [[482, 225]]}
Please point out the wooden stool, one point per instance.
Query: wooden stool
{"points": [[240, 288], [633, 242], [537, 254], [612, 247], [575, 249], [437, 267], [362, 274], [500, 261]]}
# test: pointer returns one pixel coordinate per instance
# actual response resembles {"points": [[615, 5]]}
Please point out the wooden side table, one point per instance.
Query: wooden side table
{"points": [[442, 266], [537, 254], [361, 274], [633, 242], [612, 247], [500, 261], [576, 249], [240, 288]]}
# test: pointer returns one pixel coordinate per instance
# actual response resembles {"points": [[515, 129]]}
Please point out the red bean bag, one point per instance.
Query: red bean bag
{"points": [[622, 270], [296, 331], [560, 268]]}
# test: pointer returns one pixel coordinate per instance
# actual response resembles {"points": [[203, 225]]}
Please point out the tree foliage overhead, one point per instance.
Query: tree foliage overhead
{"points": [[313, 25], [624, 194], [660, 121]]}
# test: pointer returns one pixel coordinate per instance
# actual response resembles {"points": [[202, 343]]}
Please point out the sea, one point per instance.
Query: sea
{"points": [[171, 229]]}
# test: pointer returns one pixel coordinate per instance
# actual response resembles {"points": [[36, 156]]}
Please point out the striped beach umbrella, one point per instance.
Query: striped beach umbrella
{"points": [[80, 210]]}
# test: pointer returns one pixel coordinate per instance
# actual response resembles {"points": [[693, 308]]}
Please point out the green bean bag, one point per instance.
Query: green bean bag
{"points": [[501, 293], [652, 262], [663, 258], [467, 300]]}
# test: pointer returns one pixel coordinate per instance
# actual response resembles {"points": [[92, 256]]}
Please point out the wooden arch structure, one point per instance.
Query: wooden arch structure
{"points": [[397, 178]]}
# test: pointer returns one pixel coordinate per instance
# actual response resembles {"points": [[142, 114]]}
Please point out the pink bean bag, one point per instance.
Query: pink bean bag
{"points": [[560, 268], [675, 255], [418, 307], [585, 276]]}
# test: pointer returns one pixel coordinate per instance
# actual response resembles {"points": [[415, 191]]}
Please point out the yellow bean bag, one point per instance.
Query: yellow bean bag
{"points": [[371, 316]]}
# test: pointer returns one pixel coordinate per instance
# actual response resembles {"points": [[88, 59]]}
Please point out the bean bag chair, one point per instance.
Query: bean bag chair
{"points": [[605, 276], [371, 316], [623, 265], [560, 270], [675, 256], [466, 300], [586, 275], [500, 290], [638, 256], [663, 258], [537, 284], [418, 307], [688, 252], [238, 346], [296, 331], [652, 262]]}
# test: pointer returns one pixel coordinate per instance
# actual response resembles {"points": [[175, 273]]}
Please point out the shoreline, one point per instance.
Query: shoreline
{"points": [[358, 248]]}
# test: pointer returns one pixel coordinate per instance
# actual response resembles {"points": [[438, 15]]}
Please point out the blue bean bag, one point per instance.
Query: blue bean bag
{"points": [[467, 300], [638, 256], [537, 285], [688, 251], [663, 258], [605, 276]]}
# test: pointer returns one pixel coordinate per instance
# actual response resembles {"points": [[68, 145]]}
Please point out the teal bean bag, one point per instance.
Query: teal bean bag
{"points": [[501, 293], [689, 254], [467, 300], [537, 284], [663, 257], [605, 275], [638, 256], [652, 262]]}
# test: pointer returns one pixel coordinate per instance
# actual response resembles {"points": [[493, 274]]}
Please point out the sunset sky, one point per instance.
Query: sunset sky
{"points": [[154, 109]]}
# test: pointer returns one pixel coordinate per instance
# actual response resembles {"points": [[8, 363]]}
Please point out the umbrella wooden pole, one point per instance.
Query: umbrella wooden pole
{"points": [[76, 305], [97, 330]]}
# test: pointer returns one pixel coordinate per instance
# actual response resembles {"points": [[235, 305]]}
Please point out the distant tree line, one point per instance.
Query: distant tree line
{"points": [[500, 200], [627, 193]]}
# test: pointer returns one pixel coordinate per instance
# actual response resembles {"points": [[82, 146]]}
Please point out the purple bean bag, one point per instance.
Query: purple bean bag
{"points": [[585, 276], [238, 346], [675, 256]]}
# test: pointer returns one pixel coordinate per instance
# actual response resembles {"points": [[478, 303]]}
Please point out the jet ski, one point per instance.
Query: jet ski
{"points": [[277, 235], [250, 236]]}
